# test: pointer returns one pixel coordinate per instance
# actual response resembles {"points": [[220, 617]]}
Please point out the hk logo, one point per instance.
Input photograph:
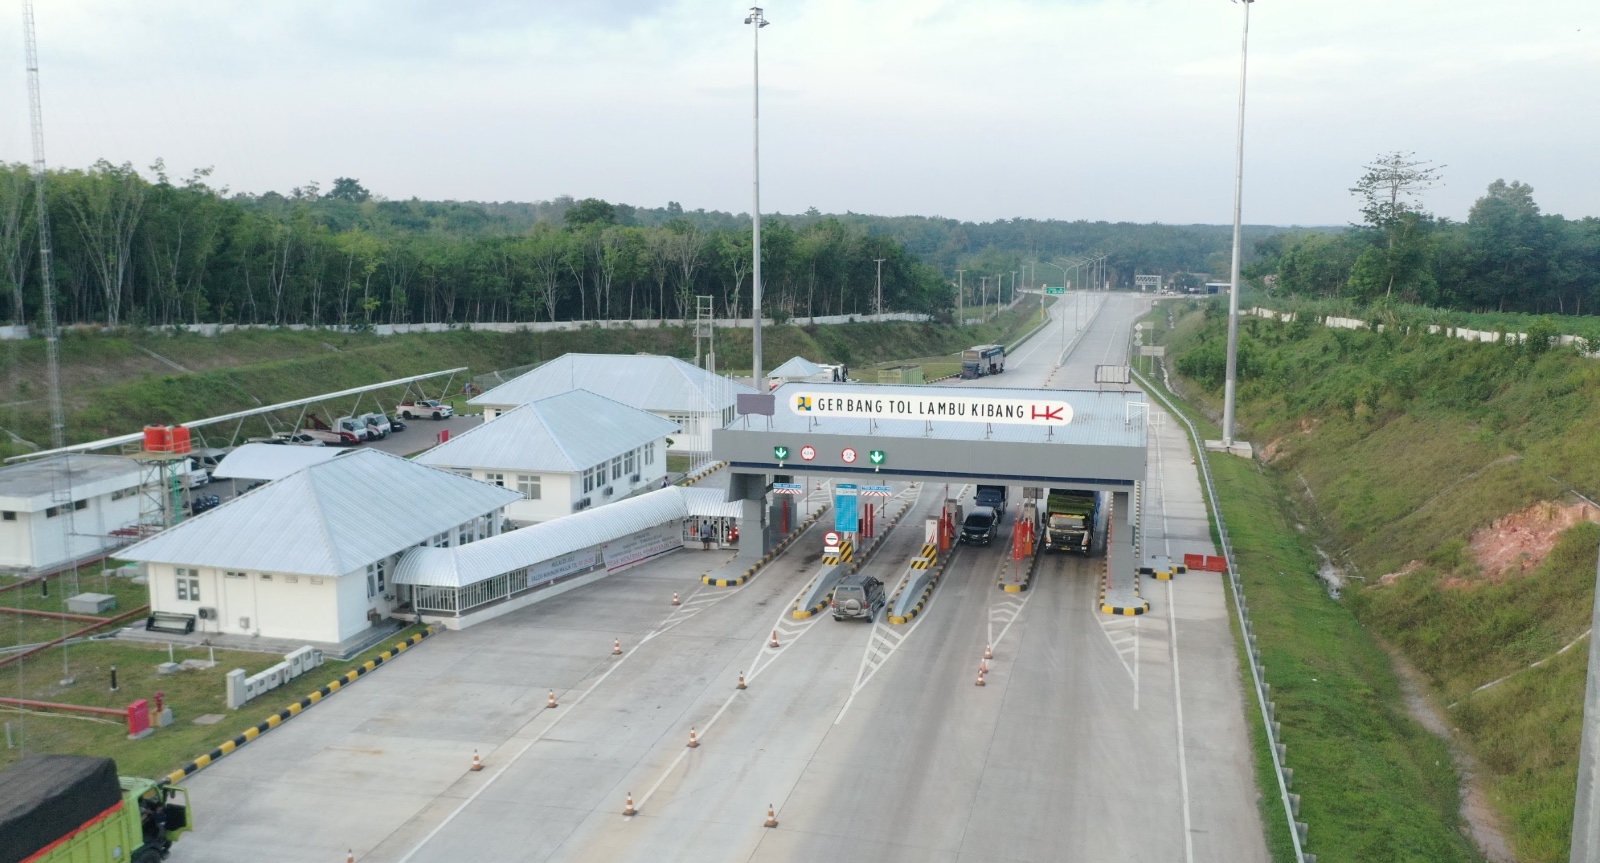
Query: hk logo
{"points": [[1046, 413], [803, 403]]}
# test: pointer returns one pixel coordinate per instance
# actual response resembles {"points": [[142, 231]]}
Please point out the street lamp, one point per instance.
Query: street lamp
{"points": [[758, 20], [1231, 382], [879, 262]]}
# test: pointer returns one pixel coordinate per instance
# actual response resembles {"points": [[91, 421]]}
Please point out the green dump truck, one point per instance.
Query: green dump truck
{"points": [[76, 809], [1069, 520]]}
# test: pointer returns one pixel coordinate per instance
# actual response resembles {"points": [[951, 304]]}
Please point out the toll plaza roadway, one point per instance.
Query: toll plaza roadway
{"points": [[1094, 738]]}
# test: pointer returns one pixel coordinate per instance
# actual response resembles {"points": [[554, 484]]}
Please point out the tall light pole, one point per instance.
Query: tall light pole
{"points": [[879, 262], [961, 298], [1013, 286], [758, 20], [1231, 383]]}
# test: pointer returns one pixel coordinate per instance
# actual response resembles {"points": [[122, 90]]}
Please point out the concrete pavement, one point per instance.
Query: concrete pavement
{"points": [[1095, 737]]}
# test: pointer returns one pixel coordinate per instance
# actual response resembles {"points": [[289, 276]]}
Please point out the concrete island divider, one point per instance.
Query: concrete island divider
{"points": [[749, 573]]}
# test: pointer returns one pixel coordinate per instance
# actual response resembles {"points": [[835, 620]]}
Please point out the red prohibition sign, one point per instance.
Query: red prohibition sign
{"points": [[808, 452], [849, 455]]}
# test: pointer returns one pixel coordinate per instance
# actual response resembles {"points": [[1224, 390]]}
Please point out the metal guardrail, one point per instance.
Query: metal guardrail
{"points": [[1275, 745]]}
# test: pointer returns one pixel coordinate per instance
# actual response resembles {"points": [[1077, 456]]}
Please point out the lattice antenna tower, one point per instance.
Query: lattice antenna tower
{"points": [[47, 282]]}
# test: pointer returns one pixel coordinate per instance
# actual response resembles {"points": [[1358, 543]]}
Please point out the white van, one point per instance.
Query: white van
{"points": [[192, 475]]}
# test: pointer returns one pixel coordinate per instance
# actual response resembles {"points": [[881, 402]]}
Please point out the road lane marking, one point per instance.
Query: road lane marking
{"points": [[1172, 648]]}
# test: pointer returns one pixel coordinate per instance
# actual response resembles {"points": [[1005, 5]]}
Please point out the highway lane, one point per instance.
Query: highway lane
{"points": [[872, 741]]}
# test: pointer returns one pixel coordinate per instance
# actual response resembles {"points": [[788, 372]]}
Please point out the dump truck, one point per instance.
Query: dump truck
{"points": [[76, 809], [1069, 519]]}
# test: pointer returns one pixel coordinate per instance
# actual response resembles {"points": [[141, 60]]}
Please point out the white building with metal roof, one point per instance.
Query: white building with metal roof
{"points": [[563, 454], [265, 462], [691, 397], [473, 583], [310, 556], [64, 508]]}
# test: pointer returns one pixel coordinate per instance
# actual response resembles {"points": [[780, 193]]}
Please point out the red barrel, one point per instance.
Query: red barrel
{"points": [[158, 438], [180, 439]]}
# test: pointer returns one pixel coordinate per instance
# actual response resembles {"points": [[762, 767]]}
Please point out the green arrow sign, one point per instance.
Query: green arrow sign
{"points": [[781, 453], [1060, 290], [875, 456]]}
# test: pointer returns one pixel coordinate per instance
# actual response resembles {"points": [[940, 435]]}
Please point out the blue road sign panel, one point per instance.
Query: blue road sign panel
{"points": [[844, 512], [878, 490]]}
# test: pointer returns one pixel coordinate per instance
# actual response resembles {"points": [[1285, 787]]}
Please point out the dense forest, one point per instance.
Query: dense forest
{"points": [[146, 248], [1507, 256]]}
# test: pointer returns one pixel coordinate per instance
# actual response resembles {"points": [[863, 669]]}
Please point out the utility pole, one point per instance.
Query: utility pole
{"points": [[961, 298], [879, 262], [758, 20], [1586, 814], [1231, 383]]}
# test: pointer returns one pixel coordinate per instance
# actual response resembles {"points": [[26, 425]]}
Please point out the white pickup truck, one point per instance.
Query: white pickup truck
{"points": [[432, 408]]}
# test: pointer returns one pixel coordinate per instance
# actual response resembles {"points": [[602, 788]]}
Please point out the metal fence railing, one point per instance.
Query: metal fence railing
{"points": [[1258, 672]]}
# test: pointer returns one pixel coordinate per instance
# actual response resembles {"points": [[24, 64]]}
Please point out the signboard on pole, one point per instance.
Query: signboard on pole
{"points": [[877, 491], [845, 513], [1055, 291], [830, 541], [788, 488], [947, 405]]}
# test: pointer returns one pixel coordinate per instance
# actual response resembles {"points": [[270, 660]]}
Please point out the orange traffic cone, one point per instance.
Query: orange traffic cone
{"points": [[693, 740], [629, 810], [983, 666], [477, 763], [980, 678], [616, 647], [772, 817], [350, 857], [552, 701], [774, 642], [741, 681], [675, 598], [988, 651]]}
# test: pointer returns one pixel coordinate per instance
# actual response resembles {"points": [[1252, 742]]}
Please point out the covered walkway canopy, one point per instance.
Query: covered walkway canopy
{"points": [[454, 581]]}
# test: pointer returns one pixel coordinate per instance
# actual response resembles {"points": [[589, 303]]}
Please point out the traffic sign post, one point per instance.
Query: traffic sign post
{"points": [[1056, 291], [845, 510]]}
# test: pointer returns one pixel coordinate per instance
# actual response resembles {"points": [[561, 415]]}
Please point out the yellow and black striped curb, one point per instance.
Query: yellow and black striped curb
{"points": [[923, 562], [1027, 577], [296, 708], [803, 613], [691, 480], [927, 592], [767, 558], [1128, 611]]}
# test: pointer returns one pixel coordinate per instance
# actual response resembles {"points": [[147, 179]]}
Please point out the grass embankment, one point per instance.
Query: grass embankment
{"points": [[1374, 785], [190, 694], [1404, 445], [114, 387]]}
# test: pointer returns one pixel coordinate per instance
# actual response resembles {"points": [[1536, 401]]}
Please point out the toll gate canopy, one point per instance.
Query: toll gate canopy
{"points": [[1061, 438]]}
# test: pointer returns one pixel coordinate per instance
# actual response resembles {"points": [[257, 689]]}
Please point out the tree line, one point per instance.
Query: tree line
{"points": [[1507, 256], [149, 249]]}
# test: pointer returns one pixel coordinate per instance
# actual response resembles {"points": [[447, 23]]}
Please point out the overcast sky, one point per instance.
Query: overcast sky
{"points": [[980, 109]]}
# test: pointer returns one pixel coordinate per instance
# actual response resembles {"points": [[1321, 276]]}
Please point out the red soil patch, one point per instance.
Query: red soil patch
{"points": [[1514, 544]]}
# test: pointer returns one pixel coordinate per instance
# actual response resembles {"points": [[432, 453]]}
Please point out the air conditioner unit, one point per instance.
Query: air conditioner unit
{"points": [[244, 623], [634, 478], [607, 491], [208, 613]]}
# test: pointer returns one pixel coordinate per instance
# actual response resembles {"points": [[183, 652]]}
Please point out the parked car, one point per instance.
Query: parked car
{"points": [[307, 437], [352, 430], [396, 424], [424, 408], [191, 475], [377, 425], [980, 526], [209, 458], [858, 596]]}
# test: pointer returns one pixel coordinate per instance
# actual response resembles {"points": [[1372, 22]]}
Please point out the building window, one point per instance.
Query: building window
{"points": [[616, 468], [528, 485], [119, 494], [266, 576], [630, 462], [291, 579], [375, 577], [233, 575], [80, 504], [52, 512], [593, 478], [650, 453], [498, 479], [8, 515], [188, 585], [440, 540]]}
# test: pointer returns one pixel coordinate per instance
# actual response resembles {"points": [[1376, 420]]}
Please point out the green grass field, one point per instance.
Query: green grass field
{"points": [[1396, 448], [1373, 784], [191, 694]]}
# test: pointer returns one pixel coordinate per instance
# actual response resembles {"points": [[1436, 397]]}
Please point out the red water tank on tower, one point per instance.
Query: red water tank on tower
{"points": [[180, 440], [158, 438]]}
